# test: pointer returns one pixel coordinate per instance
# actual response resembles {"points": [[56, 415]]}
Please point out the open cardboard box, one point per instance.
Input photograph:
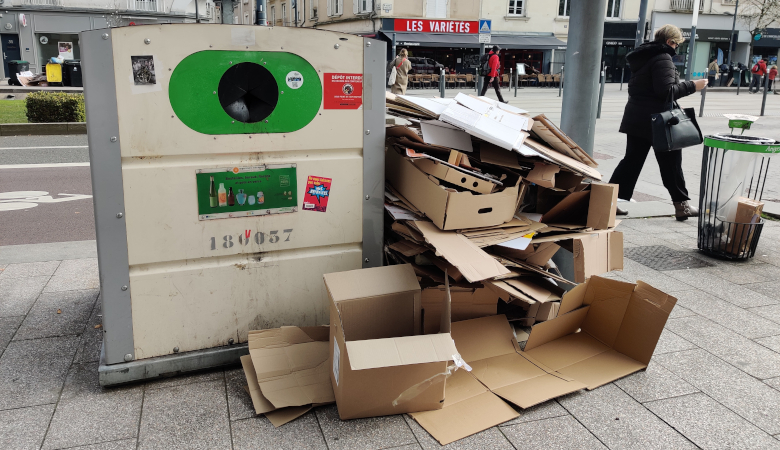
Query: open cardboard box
{"points": [[447, 209], [466, 303], [605, 330], [381, 364], [594, 252], [594, 208]]}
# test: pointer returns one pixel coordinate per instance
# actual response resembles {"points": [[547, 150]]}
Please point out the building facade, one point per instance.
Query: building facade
{"points": [[31, 30]]}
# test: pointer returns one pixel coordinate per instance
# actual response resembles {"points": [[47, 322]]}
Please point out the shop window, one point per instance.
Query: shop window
{"points": [[516, 7], [335, 7], [613, 8], [564, 7], [53, 44]]}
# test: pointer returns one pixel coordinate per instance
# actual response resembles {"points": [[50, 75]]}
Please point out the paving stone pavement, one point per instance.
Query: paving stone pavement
{"points": [[714, 381]]}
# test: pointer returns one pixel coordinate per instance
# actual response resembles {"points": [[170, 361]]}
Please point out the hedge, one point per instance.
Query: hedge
{"points": [[44, 107]]}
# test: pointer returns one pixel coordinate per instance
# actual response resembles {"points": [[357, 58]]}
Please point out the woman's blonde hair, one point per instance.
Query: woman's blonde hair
{"points": [[669, 32], [403, 52]]}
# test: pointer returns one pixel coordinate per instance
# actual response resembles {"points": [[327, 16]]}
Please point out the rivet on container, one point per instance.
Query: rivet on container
{"points": [[147, 41], [175, 349], [336, 46], [128, 357]]}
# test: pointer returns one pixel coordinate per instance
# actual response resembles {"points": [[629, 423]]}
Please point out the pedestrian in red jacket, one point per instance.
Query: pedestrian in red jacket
{"points": [[772, 75], [758, 71], [491, 76]]}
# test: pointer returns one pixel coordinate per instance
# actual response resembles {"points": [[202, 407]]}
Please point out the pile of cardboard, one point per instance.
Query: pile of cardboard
{"points": [[485, 192]]}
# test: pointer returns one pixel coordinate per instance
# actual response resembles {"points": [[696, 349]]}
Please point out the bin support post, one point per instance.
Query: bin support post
{"points": [[622, 76], [560, 83], [442, 80], [766, 90], [509, 85], [517, 80]]}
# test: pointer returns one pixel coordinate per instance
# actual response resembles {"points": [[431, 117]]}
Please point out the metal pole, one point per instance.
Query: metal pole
{"points": [[692, 45], [640, 26], [227, 11], [510, 80], [583, 54], [701, 107], [766, 89], [197, 12], [476, 80], [480, 79], [517, 80], [261, 17], [733, 26], [622, 76], [441, 82], [560, 85], [739, 81], [295, 11], [601, 91]]}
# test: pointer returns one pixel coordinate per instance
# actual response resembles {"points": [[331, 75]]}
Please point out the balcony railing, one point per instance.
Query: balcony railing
{"points": [[42, 2], [685, 5], [145, 5]]}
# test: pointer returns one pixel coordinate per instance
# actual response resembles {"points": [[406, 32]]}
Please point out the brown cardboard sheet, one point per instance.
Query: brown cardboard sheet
{"points": [[546, 130], [466, 303], [492, 154], [291, 365], [564, 160], [620, 326], [471, 261], [443, 134], [543, 174], [593, 208], [469, 408], [489, 346]]}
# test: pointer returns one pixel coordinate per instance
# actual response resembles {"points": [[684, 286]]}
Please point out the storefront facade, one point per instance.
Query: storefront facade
{"points": [[33, 35], [767, 46], [455, 44], [619, 39]]}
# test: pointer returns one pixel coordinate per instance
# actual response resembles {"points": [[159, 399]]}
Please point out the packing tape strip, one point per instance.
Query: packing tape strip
{"points": [[417, 389]]}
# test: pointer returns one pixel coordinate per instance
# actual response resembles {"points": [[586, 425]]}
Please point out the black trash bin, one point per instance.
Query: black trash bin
{"points": [[15, 67], [71, 73]]}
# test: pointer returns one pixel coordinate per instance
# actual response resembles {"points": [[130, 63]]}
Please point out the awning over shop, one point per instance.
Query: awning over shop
{"points": [[472, 41]]}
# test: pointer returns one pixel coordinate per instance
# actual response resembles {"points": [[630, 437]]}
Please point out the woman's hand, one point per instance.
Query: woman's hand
{"points": [[700, 84]]}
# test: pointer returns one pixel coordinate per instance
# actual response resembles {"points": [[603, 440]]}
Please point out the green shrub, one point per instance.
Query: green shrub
{"points": [[55, 107]]}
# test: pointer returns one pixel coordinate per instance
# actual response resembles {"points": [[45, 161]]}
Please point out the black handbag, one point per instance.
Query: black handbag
{"points": [[675, 129]]}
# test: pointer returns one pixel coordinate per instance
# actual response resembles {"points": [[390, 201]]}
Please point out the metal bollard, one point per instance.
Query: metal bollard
{"points": [[766, 90], [442, 81], [560, 85], [601, 91], [739, 81], [477, 81], [517, 78], [701, 107], [622, 76]]}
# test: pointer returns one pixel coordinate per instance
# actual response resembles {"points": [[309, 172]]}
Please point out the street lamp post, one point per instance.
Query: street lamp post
{"points": [[732, 41]]}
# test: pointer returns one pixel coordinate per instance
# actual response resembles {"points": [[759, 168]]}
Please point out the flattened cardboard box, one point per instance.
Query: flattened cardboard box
{"points": [[605, 330], [594, 252], [595, 205], [381, 365], [449, 210]]}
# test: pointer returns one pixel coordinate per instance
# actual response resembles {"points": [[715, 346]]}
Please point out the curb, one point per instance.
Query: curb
{"points": [[5, 89], [42, 129]]}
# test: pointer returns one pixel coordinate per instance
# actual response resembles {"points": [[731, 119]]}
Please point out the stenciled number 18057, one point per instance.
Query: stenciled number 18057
{"points": [[272, 237]]}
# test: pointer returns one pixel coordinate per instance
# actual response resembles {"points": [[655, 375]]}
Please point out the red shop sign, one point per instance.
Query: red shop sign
{"points": [[437, 26]]}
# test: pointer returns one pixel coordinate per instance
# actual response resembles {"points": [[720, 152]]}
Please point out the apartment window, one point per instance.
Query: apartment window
{"points": [[273, 16], [284, 14], [436, 9], [613, 8], [335, 7], [564, 7], [312, 9], [362, 6], [516, 7]]}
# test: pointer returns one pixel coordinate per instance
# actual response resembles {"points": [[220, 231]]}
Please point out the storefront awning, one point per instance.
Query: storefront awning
{"points": [[472, 41]]}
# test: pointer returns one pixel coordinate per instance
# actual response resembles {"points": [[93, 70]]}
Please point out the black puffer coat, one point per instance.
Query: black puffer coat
{"points": [[652, 75]]}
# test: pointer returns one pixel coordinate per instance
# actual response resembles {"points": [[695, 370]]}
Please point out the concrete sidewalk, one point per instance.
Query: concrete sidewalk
{"points": [[714, 381]]}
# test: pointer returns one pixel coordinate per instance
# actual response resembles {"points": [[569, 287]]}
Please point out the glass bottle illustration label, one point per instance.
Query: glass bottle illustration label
{"points": [[222, 195], [260, 198], [213, 199], [231, 197], [241, 197]]}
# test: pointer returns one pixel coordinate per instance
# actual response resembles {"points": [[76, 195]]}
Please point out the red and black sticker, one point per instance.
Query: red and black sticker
{"points": [[317, 194], [343, 90]]}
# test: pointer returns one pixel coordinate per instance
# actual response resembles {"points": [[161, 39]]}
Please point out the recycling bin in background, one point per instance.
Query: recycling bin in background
{"points": [[734, 171], [232, 167], [15, 67], [71, 73]]}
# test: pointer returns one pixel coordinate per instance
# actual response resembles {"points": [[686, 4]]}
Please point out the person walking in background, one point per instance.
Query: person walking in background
{"points": [[653, 79], [712, 72], [758, 71], [772, 75], [491, 75], [402, 68]]}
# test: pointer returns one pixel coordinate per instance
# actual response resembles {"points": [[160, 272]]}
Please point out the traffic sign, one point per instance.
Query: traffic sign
{"points": [[484, 38], [484, 26]]}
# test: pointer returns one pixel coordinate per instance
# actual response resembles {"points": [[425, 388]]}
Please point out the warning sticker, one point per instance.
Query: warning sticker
{"points": [[317, 193], [343, 90]]}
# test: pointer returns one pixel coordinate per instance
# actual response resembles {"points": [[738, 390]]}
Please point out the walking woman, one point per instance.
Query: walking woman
{"points": [[653, 76], [402, 67]]}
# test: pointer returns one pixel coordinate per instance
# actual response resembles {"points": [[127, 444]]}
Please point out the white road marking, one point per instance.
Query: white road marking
{"points": [[11, 201], [49, 146], [43, 166]]}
